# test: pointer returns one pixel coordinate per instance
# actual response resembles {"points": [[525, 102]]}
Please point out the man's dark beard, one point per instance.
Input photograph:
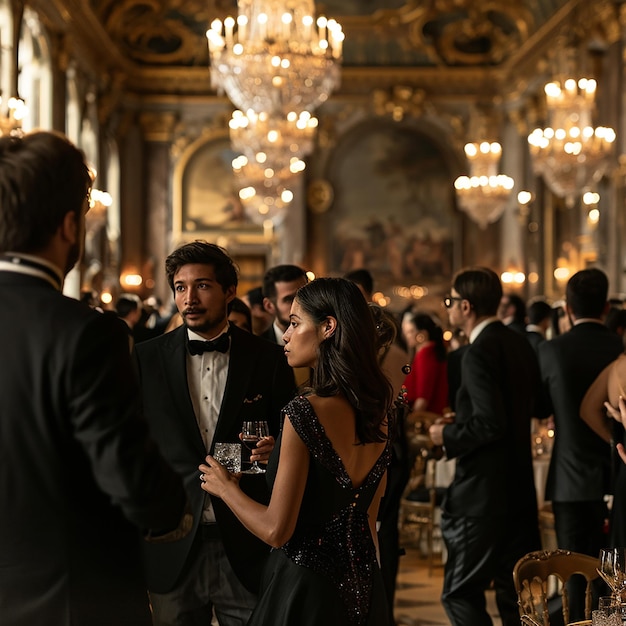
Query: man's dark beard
{"points": [[201, 327], [73, 255]]}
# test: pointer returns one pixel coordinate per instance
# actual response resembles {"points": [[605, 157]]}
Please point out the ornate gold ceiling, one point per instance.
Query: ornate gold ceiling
{"points": [[460, 45], [434, 32]]}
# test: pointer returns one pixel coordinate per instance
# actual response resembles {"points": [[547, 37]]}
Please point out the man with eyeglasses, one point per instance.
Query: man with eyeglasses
{"points": [[489, 514]]}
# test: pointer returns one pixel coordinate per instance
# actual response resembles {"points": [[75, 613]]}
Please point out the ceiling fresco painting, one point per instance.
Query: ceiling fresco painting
{"points": [[378, 32]]}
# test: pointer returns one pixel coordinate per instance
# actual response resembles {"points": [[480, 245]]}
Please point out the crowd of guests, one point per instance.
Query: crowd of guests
{"points": [[428, 370], [113, 509]]}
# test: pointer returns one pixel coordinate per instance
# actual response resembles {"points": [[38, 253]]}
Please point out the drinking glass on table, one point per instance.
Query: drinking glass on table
{"points": [[606, 617], [251, 433]]}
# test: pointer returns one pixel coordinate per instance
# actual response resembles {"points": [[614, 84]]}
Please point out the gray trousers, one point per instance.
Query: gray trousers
{"points": [[207, 586]]}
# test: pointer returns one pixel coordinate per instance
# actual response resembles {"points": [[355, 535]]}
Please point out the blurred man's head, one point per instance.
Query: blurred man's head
{"points": [[364, 280], [261, 319], [280, 284], [44, 189], [586, 294]]}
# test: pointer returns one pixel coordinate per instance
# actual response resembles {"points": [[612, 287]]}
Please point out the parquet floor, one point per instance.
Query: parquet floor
{"points": [[418, 593]]}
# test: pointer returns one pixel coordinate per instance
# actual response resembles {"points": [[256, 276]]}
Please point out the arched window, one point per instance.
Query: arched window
{"points": [[6, 51], [34, 80], [72, 114]]}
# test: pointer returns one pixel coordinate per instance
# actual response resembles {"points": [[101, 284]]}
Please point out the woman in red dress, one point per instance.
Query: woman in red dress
{"points": [[427, 383]]}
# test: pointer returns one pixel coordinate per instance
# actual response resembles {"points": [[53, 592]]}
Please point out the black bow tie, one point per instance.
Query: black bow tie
{"points": [[220, 345]]}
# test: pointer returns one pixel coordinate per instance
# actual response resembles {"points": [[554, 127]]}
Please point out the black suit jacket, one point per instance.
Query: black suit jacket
{"points": [[269, 334], [490, 437], [535, 339], [259, 384], [580, 462], [75, 464]]}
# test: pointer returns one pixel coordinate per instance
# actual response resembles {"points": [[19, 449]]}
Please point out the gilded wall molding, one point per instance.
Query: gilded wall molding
{"points": [[158, 126]]}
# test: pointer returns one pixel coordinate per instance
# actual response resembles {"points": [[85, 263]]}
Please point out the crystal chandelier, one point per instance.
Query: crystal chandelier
{"points": [[265, 193], [12, 116], [275, 57], [276, 63], [272, 141], [484, 194], [271, 149], [570, 153], [266, 201]]}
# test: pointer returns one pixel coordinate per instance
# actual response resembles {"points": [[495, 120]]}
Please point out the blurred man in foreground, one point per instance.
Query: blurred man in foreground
{"points": [[77, 466]]}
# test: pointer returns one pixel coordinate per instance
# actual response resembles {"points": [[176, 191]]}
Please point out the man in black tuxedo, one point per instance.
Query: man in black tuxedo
{"points": [[280, 284], [194, 398], [579, 473], [512, 312], [539, 320], [76, 463], [489, 514]]}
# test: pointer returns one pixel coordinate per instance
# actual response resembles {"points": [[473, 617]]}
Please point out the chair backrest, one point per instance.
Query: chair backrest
{"points": [[531, 574]]}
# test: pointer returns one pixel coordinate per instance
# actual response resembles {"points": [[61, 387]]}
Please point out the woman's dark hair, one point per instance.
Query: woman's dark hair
{"points": [[423, 321], [348, 360], [239, 306], [198, 251], [386, 327]]}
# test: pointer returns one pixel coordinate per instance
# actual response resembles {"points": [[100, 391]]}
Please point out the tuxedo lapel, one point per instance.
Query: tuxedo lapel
{"points": [[240, 369]]}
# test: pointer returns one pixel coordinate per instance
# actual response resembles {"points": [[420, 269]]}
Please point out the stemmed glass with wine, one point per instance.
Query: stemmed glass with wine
{"points": [[613, 570], [251, 433]]}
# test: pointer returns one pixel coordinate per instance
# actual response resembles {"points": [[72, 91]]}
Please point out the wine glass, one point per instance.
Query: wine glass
{"points": [[251, 433], [613, 570]]}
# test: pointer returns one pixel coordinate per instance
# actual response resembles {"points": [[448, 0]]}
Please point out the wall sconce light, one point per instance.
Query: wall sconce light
{"points": [[562, 271], [513, 277], [590, 200], [524, 201], [131, 280]]}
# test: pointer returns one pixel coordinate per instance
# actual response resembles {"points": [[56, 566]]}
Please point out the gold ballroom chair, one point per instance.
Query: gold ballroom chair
{"points": [[534, 576], [419, 506]]}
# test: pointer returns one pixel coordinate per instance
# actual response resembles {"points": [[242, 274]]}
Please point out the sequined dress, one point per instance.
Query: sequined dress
{"points": [[327, 573]]}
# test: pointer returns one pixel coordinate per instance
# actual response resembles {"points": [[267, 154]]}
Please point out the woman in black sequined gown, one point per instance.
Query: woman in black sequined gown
{"points": [[327, 471]]}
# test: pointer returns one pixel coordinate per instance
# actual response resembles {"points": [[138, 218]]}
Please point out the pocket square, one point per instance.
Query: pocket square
{"points": [[255, 399]]}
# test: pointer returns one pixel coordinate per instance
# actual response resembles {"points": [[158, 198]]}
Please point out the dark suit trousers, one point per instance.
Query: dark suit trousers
{"points": [[482, 550], [207, 584], [579, 527]]}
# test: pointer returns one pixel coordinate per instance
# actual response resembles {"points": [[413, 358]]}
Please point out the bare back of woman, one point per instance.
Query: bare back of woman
{"points": [[337, 417]]}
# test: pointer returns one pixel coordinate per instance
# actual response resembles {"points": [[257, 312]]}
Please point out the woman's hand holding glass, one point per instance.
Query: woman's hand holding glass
{"points": [[255, 434], [215, 478], [263, 449]]}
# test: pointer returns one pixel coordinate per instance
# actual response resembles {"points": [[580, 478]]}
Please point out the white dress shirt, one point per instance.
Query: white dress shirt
{"points": [[206, 376]]}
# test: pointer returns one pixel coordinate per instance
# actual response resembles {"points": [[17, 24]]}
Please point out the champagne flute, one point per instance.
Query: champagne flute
{"points": [[606, 570], [251, 433], [619, 571], [613, 570]]}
